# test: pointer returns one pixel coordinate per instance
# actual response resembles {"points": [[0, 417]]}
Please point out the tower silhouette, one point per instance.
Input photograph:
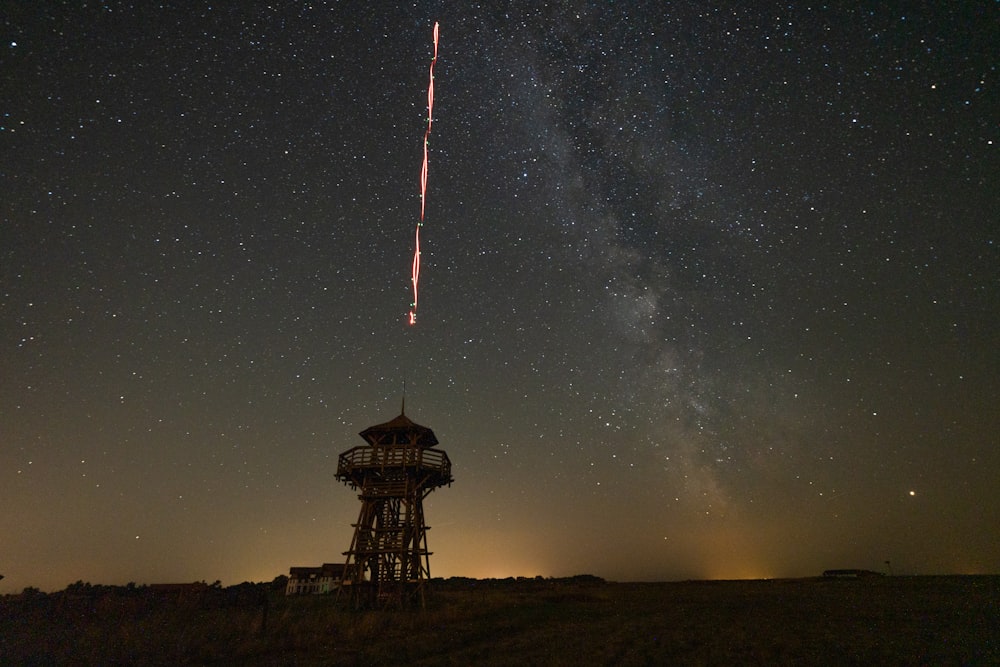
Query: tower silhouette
{"points": [[393, 473]]}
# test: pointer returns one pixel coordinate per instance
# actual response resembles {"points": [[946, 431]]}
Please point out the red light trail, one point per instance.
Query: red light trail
{"points": [[423, 181]]}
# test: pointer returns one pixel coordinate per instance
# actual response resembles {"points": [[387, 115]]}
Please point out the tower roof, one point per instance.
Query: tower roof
{"points": [[400, 431]]}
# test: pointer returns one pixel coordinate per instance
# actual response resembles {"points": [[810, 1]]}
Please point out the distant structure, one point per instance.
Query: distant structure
{"points": [[851, 574], [314, 580], [388, 562]]}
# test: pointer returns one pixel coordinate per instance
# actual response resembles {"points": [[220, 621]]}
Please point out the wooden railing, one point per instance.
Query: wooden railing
{"points": [[368, 457]]}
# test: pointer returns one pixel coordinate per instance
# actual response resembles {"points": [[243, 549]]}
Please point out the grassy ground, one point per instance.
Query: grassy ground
{"points": [[891, 620]]}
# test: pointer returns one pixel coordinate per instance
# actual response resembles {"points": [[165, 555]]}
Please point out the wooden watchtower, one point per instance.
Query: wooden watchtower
{"points": [[388, 562]]}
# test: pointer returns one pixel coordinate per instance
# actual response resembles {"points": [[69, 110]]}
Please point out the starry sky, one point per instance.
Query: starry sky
{"points": [[706, 291]]}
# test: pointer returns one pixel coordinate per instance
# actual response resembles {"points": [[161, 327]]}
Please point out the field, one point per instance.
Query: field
{"points": [[577, 621]]}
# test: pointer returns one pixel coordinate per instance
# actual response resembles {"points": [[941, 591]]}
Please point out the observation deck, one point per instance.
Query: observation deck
{"points": [[390, 469]]}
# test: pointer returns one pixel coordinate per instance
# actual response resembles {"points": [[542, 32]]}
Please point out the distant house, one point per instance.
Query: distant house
{"points": [[314, 580]]}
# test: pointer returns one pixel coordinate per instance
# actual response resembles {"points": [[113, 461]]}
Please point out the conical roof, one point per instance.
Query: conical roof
{"points": [[400, 431]]}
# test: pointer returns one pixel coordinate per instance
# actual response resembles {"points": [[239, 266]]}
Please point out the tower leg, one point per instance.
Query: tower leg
{"points": [[388, 562]]}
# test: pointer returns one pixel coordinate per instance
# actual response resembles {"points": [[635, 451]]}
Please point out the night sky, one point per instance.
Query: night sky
{"points": [[705, 292]]}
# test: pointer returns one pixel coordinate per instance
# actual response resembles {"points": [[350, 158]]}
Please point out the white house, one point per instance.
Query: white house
{"points": [[314, 580]]}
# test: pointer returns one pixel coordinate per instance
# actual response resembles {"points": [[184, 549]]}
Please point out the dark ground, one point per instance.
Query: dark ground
{"points": [[951, 620]]}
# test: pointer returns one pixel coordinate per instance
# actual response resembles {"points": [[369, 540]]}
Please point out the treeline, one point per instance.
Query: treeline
{"points": [[468, 582], [134, 597], [248, 590]]}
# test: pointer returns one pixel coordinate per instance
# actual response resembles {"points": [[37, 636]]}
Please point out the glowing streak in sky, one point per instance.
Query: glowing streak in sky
{"points": [[423, 181]]}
